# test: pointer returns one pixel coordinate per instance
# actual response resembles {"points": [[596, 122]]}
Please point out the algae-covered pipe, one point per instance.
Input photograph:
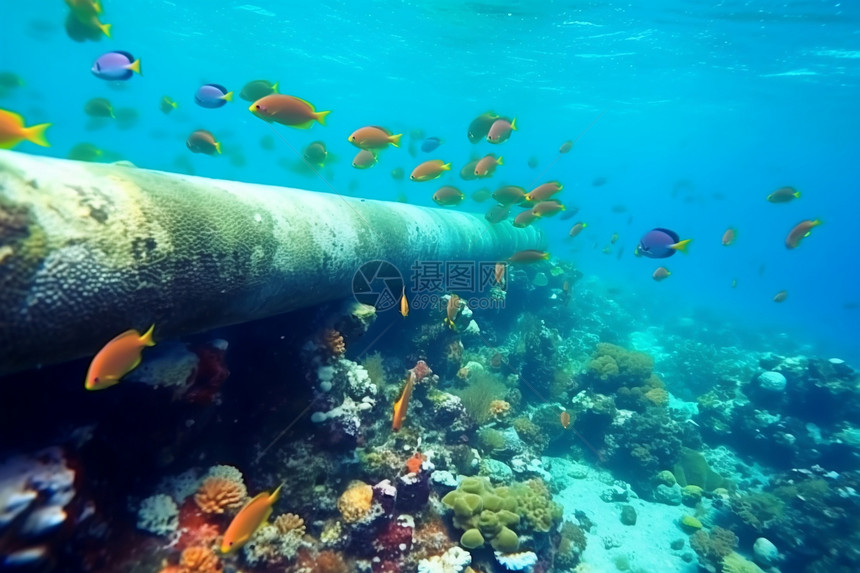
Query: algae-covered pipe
{"points": [[89, 250]]}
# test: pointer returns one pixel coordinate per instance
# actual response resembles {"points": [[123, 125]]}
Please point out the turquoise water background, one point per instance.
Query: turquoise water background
{"points": [[705, 110]]}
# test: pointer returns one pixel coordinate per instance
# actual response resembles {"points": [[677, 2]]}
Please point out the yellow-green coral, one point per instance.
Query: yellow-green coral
{"points": [[690, 523], [493, 514], [734, 563]]}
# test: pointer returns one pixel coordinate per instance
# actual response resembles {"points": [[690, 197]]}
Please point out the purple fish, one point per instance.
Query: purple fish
{"points": [[660, 244], [116, 66], [212, 96]]}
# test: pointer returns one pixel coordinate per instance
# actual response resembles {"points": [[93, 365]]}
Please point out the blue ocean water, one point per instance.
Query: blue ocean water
{"points": [[684, 114], [703, 111]]}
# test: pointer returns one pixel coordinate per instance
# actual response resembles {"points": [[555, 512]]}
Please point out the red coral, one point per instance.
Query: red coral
{"points": [[421, 371], [413, 464], [394, 539], [195, 527], [211, 373]]}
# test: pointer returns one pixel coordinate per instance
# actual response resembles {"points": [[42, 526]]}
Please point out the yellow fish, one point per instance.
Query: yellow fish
{"points": [[13, 132], [404, 303], [249, 519], [118, 357]]}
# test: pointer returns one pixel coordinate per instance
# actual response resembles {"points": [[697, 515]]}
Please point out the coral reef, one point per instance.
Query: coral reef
{"points": [[218, 495], [355, 502]]}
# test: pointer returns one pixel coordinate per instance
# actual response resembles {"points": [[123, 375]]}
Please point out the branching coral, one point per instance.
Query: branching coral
{"points": [[290, 523], [499, 409], [217, 495], [333, 342], [199, 560], [712, 547], [355, 502]]}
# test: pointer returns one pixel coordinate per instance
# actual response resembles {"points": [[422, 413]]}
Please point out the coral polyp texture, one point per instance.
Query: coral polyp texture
{"points": [[355, 502], [219, 495]]}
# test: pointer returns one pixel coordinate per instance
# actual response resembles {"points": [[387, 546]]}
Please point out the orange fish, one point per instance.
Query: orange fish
{"points": [[249, 519], [13, 132], [287, 110], [528, 256], [202, 141], [660, 273], [729, 236], [403, 403], [780, 296], [117, 358], [501, 275], [525, 219], [486, 166], [467, 173], [404, 303], [547, 208], [429, 170], [544, 191], [565, 419], [800, 231], [374, 137], [451, 311]]}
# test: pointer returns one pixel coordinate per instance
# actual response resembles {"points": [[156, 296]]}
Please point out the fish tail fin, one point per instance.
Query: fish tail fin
{"points": [[321, 115], [275, 494], [227, 96], [275, 87], [105, 28], [499, 161], [446, 167], [135, 67], [36, 134], [514, 124], [797, 194], [146, 339], [681, 245], [584, 225], [395, 139], [218, 147], [545, 256]]}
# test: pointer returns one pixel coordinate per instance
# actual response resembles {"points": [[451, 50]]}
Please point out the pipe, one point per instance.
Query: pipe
{"points": [[89, 250]]}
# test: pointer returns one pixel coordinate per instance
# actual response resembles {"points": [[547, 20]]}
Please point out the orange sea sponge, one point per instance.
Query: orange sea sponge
{"points": [[199, 560], [499, 409], [355, 502], [333, 341], [217, 495], [290, 523]]}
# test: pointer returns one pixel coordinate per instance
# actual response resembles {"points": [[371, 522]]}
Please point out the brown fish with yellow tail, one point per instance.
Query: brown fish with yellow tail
{"points": [[799, 232]]}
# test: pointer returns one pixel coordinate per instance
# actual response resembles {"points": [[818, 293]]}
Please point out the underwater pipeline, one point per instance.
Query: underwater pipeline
{"points": [[88, 250]]}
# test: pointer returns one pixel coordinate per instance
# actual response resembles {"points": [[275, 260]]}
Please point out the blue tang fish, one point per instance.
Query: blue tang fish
{"points": [[116, 66], [660, 243], [212, 96], [430, 144]]}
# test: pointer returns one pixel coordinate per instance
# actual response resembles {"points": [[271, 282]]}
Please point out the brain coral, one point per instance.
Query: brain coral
{"points": [[355, 502], [217, 495]]}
